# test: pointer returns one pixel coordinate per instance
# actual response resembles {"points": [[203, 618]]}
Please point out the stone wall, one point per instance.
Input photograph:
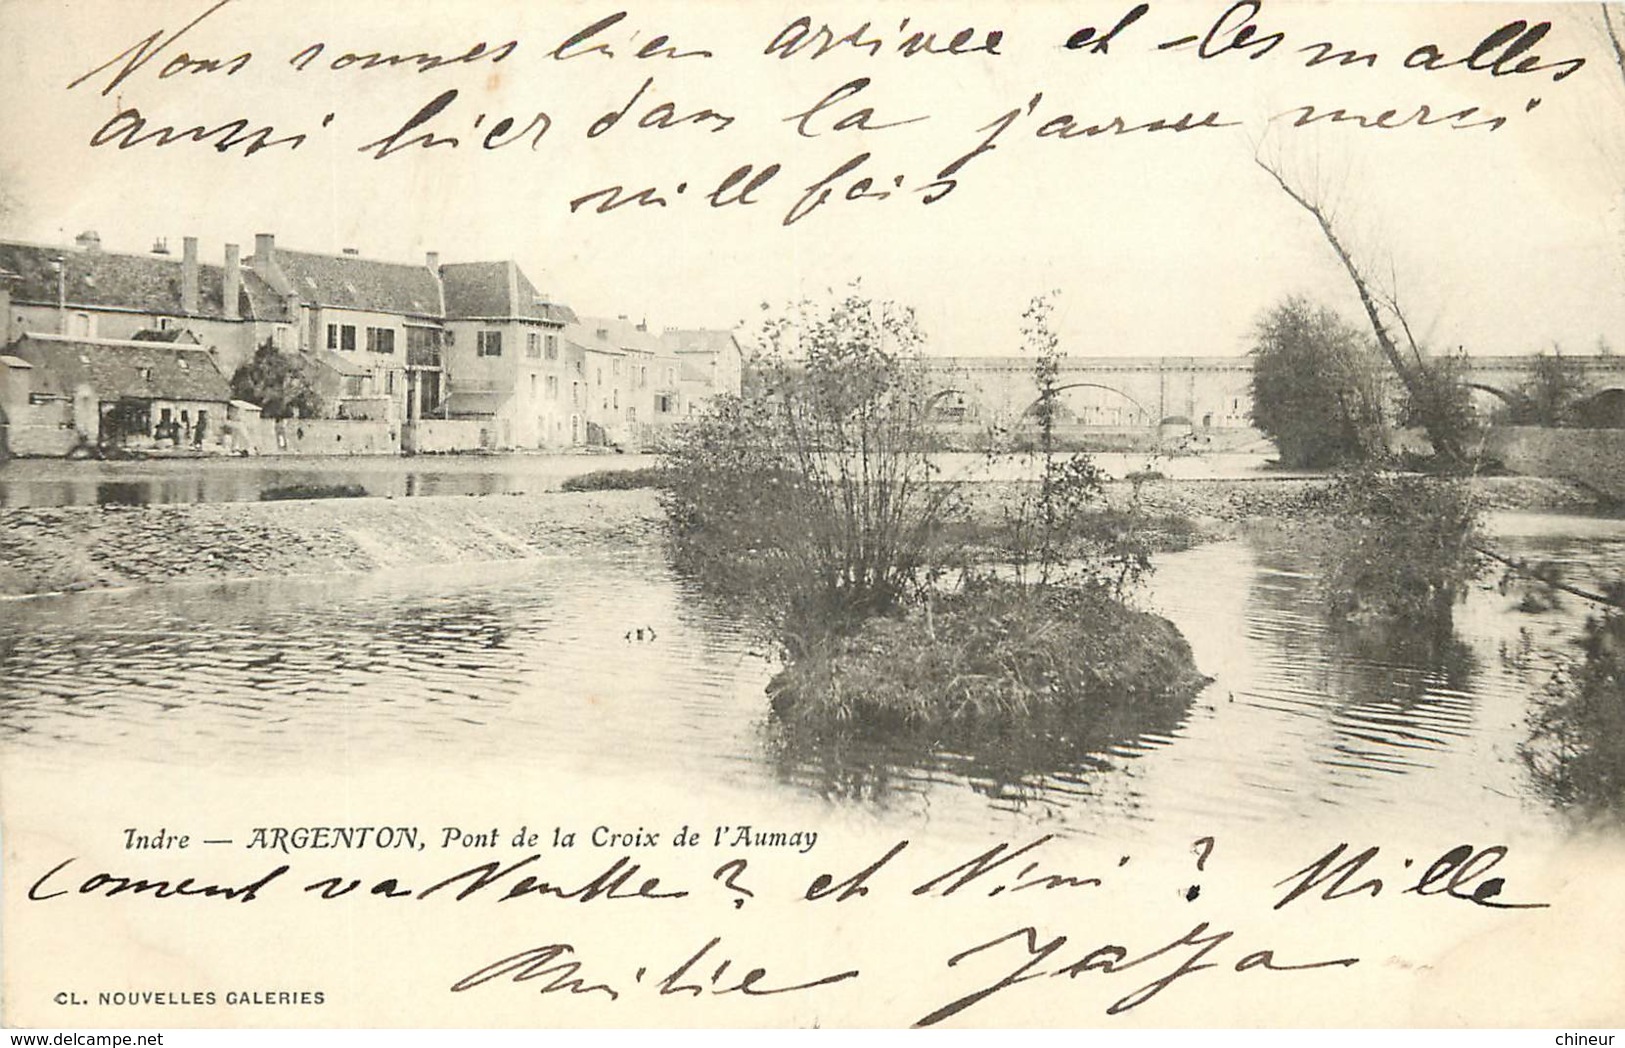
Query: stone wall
{"points": [[433, 435], [1592, 457], [319, 436]]}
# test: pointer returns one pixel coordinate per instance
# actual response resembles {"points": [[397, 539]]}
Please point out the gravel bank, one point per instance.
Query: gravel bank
{"points": [[82, 547], [49, 550]]}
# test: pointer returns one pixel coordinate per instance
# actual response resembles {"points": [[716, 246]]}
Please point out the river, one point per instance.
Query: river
{"points": [[59, 482], [609, 662]]}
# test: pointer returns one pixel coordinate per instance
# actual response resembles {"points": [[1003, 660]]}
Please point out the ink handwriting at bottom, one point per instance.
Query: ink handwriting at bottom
{"points": [[555, 969], [1108, 959], [1457, 874]]}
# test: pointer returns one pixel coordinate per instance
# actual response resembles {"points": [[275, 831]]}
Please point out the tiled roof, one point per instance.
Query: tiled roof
{"points": [[263, 301], [617, 334], [165, 335], [351, 282], [342, 364], [697, 340], [103, 279], [118, 369], [493, 290]]}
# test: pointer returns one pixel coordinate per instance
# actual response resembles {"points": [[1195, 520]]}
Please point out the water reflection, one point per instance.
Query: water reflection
{"points": [[540, 662], [56, 482]]}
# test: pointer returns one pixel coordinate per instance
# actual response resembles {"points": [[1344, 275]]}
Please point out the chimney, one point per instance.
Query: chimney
{"points": [[189, 276], [432, 260], [267, 268], [89, 240], [160, 246], [232, 287], [352, 252]]}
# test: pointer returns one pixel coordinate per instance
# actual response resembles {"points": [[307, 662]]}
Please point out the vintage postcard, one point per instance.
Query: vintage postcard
{"points": [[886, 514]]}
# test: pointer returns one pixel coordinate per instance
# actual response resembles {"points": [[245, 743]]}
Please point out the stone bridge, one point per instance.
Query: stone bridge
{"points": [[1202, 392]]}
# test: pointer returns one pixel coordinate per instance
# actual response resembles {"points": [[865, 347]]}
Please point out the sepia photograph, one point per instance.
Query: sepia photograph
{"points": [[1074, 515]]}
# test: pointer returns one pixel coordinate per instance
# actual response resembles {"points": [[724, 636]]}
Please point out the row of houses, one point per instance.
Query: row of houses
{"points": [[103, 347]]}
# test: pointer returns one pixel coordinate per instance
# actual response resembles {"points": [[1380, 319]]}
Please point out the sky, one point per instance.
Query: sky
{"points": [[1158, 243]]}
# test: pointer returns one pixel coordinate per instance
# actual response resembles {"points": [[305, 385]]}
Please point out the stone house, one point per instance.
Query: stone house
{"points": [[60, 393], [374, 328], [711, 362], [87, 292], [505, 355]]}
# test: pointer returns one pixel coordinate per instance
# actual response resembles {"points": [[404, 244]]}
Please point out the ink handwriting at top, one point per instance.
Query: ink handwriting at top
{"points": [[1502, 52], [582, 43], [858, 120], [1453, 874], [800, 36], [143, 51]]}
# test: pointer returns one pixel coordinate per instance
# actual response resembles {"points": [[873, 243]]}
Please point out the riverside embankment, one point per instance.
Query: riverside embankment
{"points": [[52, 549], [45, 550]]}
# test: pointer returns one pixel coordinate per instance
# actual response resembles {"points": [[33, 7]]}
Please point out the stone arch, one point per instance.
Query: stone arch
{"points": [[1512, 400], [1507, 406], [1604, 409], [1146, 417], [950, 404]]}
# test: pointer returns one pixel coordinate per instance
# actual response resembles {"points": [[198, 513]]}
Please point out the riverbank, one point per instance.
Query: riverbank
{"points": [[47, 550]]}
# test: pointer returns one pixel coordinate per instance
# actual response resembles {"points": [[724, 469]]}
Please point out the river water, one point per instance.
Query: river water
{"points": [[609, 662], [57, 482]]}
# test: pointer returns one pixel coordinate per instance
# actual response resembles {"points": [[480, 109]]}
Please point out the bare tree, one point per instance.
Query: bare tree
{"points": [[1381, 305]]}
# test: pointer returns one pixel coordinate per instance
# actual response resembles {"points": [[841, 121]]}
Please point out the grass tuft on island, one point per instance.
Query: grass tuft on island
{"points": [[313, 491], [993, 660], [616, 480]]}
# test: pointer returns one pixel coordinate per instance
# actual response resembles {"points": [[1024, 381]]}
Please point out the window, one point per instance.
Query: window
{"points": [[163, 323], [347, 337], [552, 347], [671, 376], [490, 344], [552, 387], [580, 368], [575, 394], [631, 413], [533, 344], [380, 340], [643, 378], [615, 396], [599, 370], [353, 385], [332, 336], [389, 382], [533, 385], [422, 347], [665, 404], [615, 366]]}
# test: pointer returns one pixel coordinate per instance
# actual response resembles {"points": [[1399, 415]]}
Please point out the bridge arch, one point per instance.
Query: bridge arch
{"points": [[1604, 409], [951, 402], [1146, 417]]}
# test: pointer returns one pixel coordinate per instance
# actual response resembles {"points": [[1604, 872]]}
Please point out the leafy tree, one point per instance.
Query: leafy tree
{"points": [[279, 383], [1317, 386], [1552, 393], [1439, 400], [816, 481]]}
